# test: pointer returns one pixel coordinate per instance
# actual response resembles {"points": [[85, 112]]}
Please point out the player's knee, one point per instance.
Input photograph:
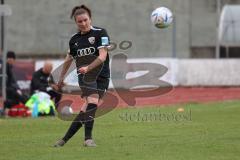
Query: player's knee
{"points": [[93, 99]]}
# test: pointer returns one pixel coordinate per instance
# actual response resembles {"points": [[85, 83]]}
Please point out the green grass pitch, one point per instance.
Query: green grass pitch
{"points": [[201, 132]]}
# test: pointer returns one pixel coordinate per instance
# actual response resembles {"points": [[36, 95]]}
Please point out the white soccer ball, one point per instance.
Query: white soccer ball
{"points": [[162, 17], [66, 110]]}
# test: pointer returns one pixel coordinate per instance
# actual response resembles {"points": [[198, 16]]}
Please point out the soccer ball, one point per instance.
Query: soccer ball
{"points": [[162, 17]]}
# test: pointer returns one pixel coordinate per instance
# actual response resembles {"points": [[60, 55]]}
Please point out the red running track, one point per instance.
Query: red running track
{"points": [[178, 95]]}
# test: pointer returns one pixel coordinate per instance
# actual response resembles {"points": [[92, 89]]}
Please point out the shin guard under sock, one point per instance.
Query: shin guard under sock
{"points": [[89, 120]]}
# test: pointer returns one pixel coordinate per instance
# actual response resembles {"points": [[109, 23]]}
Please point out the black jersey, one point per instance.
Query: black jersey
{"points": [[84, 48]]}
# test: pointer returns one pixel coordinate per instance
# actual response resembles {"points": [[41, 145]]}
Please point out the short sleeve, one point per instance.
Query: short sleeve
{"points": [[103, 40]]}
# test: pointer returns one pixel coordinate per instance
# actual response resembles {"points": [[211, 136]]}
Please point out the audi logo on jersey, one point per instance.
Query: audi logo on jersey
{"points": [[85, 51]]}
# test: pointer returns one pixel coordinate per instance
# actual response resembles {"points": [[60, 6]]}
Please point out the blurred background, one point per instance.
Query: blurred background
{"points": [[200, 48], [42, 28]]}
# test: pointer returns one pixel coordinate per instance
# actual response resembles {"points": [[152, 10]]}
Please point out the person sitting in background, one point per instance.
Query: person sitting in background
{"points": [[42, 80], [14, 94]]}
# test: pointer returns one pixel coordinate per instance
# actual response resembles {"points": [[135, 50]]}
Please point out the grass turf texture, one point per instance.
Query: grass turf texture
{"points": [[210, 132]]}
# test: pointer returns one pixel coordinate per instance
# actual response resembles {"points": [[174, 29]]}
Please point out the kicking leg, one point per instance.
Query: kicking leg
{"points": [[75, 126]]}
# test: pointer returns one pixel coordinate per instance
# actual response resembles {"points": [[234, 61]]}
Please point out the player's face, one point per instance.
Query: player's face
{"points": [[83, 22]]}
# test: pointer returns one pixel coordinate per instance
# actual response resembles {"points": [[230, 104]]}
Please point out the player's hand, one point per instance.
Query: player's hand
{"points": [[83, 70], [60, 84], [55, 87]]}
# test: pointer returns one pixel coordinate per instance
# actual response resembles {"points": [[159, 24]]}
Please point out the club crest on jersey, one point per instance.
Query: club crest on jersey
{"points": [[91, 40]]}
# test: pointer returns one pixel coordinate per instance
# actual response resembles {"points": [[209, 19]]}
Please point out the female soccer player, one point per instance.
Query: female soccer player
{"points": [[88, 48]]}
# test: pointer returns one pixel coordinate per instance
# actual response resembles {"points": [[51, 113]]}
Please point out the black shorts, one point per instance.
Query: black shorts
{"points": [[92, 86]]}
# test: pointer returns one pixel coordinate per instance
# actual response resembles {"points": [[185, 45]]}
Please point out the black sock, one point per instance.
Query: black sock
{"points": [[89, 120], [75, 126]]}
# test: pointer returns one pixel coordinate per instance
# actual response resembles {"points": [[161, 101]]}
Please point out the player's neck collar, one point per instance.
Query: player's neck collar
{"points": [[86, 32]]}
